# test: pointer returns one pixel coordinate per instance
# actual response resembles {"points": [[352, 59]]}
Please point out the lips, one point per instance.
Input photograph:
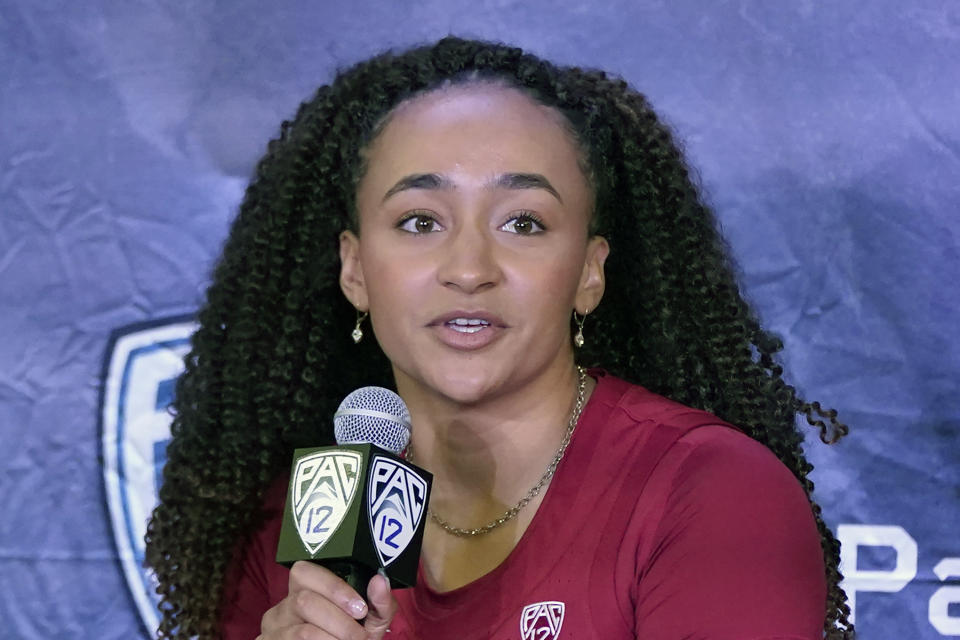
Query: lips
{"points": [[461, 318], [467, 325], [467, 329]]}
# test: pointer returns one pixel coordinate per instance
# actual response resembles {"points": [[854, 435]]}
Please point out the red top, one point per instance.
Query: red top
{"points": [[662, 522]]}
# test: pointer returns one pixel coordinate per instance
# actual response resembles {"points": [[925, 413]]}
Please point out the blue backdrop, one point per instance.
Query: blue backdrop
{"points": [[827, 136]]}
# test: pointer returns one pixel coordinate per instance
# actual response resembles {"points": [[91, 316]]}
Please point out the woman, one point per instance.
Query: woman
{"points": [[471, 200]]}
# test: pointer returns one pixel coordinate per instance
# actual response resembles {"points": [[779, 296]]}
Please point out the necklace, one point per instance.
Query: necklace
{"points": [[535, 490]]}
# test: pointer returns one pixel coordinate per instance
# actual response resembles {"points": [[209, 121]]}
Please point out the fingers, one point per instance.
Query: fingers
{"points": [[306, 576], [383, 606], [297, 632], [318, 623], [318, 606]]}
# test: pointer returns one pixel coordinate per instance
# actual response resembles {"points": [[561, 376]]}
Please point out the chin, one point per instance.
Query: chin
{"points": [[464, 388], [464, 384]]}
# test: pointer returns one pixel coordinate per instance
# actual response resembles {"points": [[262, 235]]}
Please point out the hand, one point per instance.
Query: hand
{"points": [[321, 606]]}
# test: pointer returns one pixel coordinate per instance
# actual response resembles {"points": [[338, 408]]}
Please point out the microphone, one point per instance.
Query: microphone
{"points": [[373, 415], [358, 508]]}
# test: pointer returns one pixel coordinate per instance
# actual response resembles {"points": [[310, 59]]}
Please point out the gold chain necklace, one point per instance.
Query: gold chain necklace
{"points": [[525, 500]]}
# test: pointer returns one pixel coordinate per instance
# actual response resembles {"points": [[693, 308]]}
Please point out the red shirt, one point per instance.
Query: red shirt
{"points": [[662, 522]]}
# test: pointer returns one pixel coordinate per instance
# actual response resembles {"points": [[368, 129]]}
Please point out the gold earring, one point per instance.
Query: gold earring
{"points": [[357, 333], [578, 339]]}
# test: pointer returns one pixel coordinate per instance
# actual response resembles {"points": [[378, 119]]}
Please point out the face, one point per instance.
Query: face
{"points": [[473, 247]]}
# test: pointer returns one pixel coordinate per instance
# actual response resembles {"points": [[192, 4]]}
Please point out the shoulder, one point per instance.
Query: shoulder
{"points": [[706, 464], [691, 443], [618, 404], [715, 536], [682, 467], [721, 536], [721, 451], [254, 580]]}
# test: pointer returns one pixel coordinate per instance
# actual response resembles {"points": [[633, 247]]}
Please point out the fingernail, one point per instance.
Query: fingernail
{"points": [[358, 607], [383, 572]]}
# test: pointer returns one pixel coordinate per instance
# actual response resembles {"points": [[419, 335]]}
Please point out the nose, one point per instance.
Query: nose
{"points": [[470, 262]]}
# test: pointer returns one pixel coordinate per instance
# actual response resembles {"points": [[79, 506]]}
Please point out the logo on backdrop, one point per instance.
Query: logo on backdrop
{"points": [[395, 502], [142, 365], [323, 487], [541, 620]]}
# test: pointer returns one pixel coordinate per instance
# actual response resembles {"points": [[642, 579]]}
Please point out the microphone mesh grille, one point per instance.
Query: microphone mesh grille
{"points": [[375, 415]]}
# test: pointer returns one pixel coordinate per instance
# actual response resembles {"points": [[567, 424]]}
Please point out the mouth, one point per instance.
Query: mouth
{"points": [[467, 325], [468, 321], [468, 330]]}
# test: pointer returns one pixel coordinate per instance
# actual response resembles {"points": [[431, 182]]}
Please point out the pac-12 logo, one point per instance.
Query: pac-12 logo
{"points": [[323, 487], [541, 620], [396, 500], [142, 365]]}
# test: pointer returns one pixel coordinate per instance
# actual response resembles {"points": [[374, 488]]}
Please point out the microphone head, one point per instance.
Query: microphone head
{"points": [[373, 415]]}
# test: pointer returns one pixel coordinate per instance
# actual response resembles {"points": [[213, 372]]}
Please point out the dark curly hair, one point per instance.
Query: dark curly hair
{"points": [[272, 357]]}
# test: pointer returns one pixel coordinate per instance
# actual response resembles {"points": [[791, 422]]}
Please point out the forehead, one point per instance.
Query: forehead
{"points": [[481, 128], [475, 102]]}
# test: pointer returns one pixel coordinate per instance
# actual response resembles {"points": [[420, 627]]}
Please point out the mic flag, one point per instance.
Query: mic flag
{"points": [[358, 507]]}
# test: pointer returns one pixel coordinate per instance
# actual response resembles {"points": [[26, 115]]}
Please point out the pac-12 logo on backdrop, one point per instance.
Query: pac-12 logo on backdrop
{"points": [[142, 366], [323, 487], [395, 501], [541, 620]]}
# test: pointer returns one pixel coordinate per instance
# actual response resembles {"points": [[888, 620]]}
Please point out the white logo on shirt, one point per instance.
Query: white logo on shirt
{"points": [[541, 620]]}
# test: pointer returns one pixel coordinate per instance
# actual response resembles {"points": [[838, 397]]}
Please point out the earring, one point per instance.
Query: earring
{"points": [[357, 333], [578, 339]]}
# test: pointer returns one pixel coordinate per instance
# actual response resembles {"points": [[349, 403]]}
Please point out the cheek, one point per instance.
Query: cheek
{"points": [[550, 286], [392, 285]]}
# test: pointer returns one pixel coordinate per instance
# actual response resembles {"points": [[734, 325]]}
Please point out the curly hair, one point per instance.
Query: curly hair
{"points": [[266, 369]]}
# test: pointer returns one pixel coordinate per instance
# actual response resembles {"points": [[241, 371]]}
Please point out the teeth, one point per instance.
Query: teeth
{"points": [[467, 325], [469, 322], [462, 329]]}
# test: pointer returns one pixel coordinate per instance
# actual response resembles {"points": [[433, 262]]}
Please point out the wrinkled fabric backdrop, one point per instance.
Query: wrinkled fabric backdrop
{"points": [[826, 136]]}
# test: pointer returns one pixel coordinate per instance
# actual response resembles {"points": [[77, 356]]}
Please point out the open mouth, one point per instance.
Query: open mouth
{"points": [[467, 325]]}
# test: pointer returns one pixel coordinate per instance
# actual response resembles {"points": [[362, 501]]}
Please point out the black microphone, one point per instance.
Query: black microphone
{"points": [[358, 507]]}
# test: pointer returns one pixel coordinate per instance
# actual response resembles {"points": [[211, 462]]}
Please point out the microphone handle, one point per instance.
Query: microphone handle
{"points": [[353, 573]]}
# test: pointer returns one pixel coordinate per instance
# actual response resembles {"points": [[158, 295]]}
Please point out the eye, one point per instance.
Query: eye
{"points": [[526, 224], [419, 223]]}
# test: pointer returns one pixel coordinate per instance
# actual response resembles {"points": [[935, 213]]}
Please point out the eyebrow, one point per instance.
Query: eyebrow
{"points": [[526, 181], [437, 182]]}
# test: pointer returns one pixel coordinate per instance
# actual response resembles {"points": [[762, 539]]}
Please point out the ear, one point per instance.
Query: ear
{"points": [[351, 272], [592, 280]]}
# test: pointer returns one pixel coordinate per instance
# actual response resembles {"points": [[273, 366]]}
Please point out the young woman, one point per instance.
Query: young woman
{"points": [[477, 203]]}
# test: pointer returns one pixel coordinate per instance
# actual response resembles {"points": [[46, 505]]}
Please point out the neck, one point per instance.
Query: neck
{"points": [[487, 455]]}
